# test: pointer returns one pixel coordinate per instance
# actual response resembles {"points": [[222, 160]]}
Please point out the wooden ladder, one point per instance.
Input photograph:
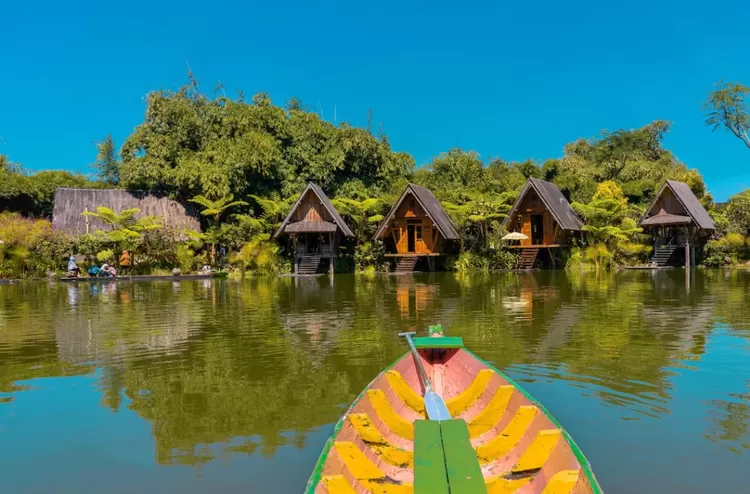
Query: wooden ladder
{"points": [[406, 264], [528, 258], [309, 264]]}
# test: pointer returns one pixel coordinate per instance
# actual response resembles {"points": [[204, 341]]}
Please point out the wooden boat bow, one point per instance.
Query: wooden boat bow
{"points": [[499, 439]]}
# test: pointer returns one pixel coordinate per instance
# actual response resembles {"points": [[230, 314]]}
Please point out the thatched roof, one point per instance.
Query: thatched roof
{"points": [[689, 202], [306, 226], [662, 219], [554, 201], [337, 219], [70, 203], [430, 205]]}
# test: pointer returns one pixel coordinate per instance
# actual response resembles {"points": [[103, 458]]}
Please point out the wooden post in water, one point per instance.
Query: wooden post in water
{"points": [[687, 248], [295, 263], [330, 255]]}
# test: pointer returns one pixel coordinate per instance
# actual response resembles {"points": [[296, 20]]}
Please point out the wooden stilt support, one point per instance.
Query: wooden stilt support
{"points": [[331, 257]]}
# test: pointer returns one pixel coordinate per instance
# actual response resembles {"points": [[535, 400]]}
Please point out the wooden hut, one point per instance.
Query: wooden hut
{"points": [[678, 223], [315, 228], [416, 227], [71, 203], [544, 215]]}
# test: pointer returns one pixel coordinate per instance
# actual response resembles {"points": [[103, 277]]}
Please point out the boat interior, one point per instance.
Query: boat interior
{"points": [[497, 441]]}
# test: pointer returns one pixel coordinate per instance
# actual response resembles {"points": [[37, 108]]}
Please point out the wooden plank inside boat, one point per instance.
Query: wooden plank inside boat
{"points": [[461, 465], [429, 460]]}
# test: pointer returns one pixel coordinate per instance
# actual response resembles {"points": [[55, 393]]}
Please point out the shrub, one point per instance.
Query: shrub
{"points": [[369, 254], [260, 255], [18, 236], [89, 245], [185, 258], [106, 255], [731, 248], [50, 252]]}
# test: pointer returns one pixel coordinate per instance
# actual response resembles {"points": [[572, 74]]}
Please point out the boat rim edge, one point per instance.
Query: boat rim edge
{"points": [[317, 472], [580, 456]]}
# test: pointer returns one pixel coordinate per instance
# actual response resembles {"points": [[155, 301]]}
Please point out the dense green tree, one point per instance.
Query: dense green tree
{"points": [[634, 159], [33, 194], [191, 144], [107, 163], [737, 212], [362, 216]]}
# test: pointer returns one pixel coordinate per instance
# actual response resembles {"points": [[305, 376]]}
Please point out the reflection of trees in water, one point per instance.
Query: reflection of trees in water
{"points": [[246, 367], [730, 421], [630, 331], [27, 340]]}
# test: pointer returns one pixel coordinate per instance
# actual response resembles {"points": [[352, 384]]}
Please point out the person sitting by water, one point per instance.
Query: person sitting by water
{"points": [[73, 269], [125, 260], [94, 271], [206, 269], [107, 270]]}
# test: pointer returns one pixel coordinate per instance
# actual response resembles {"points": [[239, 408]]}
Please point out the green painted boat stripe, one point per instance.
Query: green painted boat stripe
{"points": [[429, 461], [443, 342], [461, 463], [585, 465]]}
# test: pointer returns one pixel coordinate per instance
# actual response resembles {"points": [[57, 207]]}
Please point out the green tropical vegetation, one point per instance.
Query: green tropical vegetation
{"points": [[245, 162]]}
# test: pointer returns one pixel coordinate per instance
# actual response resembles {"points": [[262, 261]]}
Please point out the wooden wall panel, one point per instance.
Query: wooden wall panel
{"points": [[669, 202], [311, 209], [409, 213]]}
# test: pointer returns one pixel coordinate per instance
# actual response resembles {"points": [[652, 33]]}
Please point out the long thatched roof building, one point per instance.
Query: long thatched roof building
{"points": [[71, 203]]}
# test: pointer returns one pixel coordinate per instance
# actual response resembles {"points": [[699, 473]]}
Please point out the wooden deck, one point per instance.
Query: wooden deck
{"points": [[413, 254]]}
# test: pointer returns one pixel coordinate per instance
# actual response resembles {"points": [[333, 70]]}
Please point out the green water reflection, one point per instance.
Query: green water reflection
{"points": [[224, 386]]}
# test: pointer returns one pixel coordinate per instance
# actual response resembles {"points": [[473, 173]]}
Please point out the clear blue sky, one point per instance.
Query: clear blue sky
{"points": [[508, 79]]}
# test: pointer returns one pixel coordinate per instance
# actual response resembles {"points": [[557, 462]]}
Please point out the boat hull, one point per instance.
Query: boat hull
{"points": [[516, 444]]}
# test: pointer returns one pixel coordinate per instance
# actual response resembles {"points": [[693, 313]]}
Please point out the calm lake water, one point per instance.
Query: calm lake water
{"points": [[234, 386]]}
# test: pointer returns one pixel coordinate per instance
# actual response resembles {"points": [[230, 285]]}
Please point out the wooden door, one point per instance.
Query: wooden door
{"points": [[411, 238], [526, 229], [537, 229]]}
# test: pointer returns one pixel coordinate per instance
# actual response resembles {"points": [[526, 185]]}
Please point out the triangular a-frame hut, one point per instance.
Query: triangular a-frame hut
{"points": [[416, 226], [543, 214], [676, 219], [315, 228]]}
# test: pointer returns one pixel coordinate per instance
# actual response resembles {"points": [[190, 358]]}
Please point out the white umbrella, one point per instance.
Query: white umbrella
{"points": [[515, 236]]}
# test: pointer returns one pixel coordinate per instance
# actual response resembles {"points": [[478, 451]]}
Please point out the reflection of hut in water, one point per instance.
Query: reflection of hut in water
{"points": [[413, 297], [522, 305], [683, 329], [557, 330], [313, 311]]}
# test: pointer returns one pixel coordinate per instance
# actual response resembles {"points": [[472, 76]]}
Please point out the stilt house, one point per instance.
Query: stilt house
{"points": [[316, 229], [416, 227], [678, 223], [544, 215]]}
